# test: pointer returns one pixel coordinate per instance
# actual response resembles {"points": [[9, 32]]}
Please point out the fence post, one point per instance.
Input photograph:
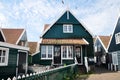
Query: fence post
{"points": [[14, 78], [19, 77], [8, 79]]}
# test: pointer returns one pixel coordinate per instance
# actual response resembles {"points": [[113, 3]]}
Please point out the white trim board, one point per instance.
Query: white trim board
{"points": [[13, 46], [102, 44], [113, 32], [60, 17], [20, 36]]}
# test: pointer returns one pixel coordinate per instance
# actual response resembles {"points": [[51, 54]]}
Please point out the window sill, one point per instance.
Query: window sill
{"points": [[3, 64], [46, 58], [67, 58]]}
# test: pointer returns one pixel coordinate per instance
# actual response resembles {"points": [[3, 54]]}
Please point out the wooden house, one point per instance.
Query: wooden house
{"points": [[100, 48], [114, 47], [13, 56], [34, 49], [66, 41]]}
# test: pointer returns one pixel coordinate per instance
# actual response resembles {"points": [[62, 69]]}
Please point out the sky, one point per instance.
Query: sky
{"points": [[99, 16]]}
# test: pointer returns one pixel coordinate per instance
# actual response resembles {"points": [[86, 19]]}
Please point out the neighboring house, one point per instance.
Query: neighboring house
{"points": [[114, 47], [15, 36], [34, 50], [100, 47], [65, 41], [13, 58]]}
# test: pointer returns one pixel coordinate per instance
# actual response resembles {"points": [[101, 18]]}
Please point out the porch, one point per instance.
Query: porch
{"points": [[63, 51]]}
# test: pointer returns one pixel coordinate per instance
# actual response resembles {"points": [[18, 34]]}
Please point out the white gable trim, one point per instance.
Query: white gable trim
{"points": [[13, 46], [35, 53], [20, 36], [3, 35], [102, 44], [86, 41], [61, 16], [112, 33]]}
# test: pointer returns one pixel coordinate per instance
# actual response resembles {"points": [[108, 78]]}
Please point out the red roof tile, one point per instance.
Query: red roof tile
{"points": [[33, 47], [105, 40], [12, 35]]}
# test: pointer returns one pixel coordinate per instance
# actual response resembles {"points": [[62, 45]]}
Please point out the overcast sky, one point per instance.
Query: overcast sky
{"points": [[99, 16]]}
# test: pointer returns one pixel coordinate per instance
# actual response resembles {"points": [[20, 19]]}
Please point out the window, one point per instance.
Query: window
{"points": [[46, 52], [67, 52], [95, 48], [67, 28], [99, 48], [4, 56], [117, 38]]}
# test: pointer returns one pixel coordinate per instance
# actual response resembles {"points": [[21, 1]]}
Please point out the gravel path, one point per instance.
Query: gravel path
{"points": [[105, 76], [102, 74]]}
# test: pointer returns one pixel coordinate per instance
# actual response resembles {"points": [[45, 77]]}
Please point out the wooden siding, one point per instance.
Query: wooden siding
{"points": [[113, 46], [10, 69], [118, 53]]}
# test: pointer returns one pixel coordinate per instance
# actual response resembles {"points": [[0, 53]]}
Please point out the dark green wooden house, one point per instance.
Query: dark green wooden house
{"points": [[114, 48], [13, 58], [66, 41]]}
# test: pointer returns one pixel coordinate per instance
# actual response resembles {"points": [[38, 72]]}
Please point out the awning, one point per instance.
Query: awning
{"points": [[65, 41]]}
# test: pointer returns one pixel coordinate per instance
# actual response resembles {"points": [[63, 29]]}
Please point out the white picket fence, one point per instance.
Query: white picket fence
{"points": [[37, 73]]}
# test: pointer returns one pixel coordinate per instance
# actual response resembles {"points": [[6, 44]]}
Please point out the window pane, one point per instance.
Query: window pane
{"points": [[4, 53], [50, 51], [43, 56], [70, 28], [43, 51], [70, 51], [64, 51], [0, 52], [3, 59], [65, 28], [0, 59]]}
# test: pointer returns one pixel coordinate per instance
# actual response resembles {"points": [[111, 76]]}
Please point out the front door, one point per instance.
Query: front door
{"points": [[22, 63], [57, 54], [78, 54]]}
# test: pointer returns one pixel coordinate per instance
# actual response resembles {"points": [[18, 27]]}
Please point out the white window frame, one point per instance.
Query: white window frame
{"points": [[67, 57], [117, 38], [47, 52], [6, 56], [66, 28]]}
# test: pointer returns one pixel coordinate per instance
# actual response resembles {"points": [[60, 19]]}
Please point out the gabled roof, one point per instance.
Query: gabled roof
{"points": [[12, 35], [112, 44], [65, 41], [104, 41], [33, 47], [60, 17]]}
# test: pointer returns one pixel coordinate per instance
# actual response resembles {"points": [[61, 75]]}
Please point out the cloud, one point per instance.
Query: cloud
{"points": [[97, 15]]}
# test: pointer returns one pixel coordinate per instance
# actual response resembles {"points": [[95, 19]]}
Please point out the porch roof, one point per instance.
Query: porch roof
{"points": [[65, 41]]}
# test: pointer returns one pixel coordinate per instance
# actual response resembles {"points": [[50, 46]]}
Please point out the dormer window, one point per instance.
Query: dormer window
{"points": [[67, 28], [117, 38]]}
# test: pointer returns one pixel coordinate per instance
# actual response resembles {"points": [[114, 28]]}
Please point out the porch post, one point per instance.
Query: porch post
{"points": [[86, 60], [17, 64]]}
